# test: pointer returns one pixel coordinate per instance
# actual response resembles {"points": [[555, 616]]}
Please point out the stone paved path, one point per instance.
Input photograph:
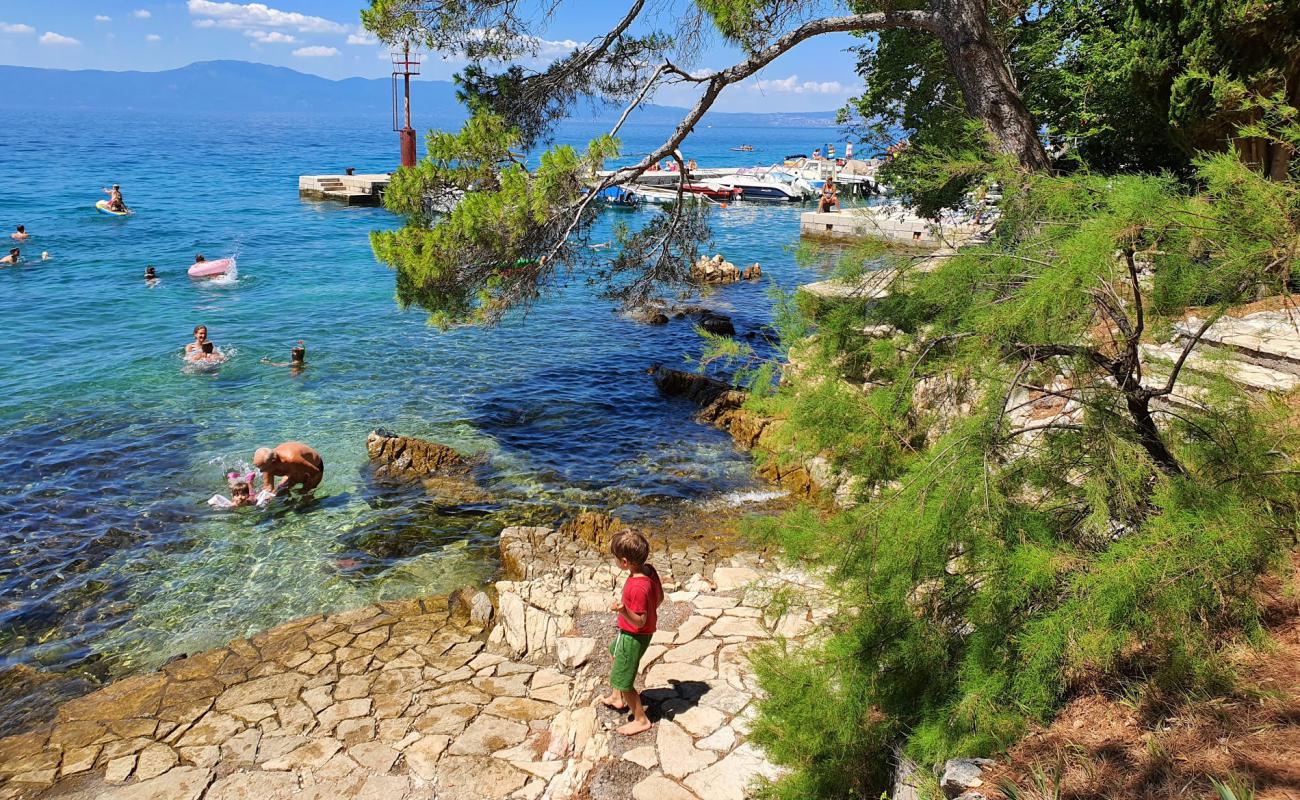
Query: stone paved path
{"points": [[407, 700]]}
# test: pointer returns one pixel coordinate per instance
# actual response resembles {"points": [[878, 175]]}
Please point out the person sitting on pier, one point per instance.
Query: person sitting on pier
{"points": [[20, 235], [12, 258], [297, 463], [829, 199], [115, 201]]}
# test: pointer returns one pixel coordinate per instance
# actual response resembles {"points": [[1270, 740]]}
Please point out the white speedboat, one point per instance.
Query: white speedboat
{"points": [[770, 184]]}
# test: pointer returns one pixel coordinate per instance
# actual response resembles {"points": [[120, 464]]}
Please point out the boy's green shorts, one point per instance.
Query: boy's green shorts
{"points": [[627, 649]]}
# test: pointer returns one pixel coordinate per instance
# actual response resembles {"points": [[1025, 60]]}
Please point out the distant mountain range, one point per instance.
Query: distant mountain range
{"points": [[242, 87]]}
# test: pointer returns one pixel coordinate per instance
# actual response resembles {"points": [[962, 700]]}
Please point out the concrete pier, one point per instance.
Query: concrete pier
{"points": [[353, 190], [887, 223]]}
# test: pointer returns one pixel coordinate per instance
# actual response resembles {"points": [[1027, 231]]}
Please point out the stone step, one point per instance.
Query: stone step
{"points": [[1244, 373], [1267, 338]]}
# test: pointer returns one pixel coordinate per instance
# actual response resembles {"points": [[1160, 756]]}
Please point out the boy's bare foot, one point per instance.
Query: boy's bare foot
{"points": [[613, 700], [634, 727]]}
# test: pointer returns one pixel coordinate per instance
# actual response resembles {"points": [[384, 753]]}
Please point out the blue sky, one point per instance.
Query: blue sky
{"points": [[323, 37]]}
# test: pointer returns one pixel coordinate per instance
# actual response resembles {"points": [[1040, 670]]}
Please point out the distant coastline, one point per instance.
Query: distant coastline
{"points": [[243, 87]]}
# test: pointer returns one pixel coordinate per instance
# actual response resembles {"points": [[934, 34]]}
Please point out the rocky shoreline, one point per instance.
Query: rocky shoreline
{"points": [[403, 698]]}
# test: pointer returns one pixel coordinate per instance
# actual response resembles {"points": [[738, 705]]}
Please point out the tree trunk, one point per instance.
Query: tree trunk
{"points": [[1149, 435], [980, 66]]}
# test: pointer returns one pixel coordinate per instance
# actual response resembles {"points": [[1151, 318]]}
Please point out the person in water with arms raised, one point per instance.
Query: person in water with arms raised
{"points": [[297, 463]]}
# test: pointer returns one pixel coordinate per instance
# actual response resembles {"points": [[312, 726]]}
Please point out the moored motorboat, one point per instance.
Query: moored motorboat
{"points": [[764, 185], [714, 192]]}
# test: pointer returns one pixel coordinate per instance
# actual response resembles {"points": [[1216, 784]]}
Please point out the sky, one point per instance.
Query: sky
{"points": [[324, 37]]}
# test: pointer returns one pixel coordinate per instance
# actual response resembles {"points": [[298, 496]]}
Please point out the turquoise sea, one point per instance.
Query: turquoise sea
{"points": [[109, 559]]}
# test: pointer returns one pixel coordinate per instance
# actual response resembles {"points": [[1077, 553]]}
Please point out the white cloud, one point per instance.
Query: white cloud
{"points": [[792, 85], [316, 51], [141, 13], [52, 38], [241, 16], [269, 37], [16, 27], [103, 18], [153, 37], [362, 36]]}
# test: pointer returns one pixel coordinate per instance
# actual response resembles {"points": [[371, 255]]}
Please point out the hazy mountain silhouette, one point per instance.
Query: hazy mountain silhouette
{"points": [[243, 87]]}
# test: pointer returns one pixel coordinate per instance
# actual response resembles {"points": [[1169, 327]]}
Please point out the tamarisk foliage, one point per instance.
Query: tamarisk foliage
{"points": [[992, 567], [517, 232]]}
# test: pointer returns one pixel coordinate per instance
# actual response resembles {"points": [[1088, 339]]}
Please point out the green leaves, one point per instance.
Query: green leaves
{"points": [[509, 232]]}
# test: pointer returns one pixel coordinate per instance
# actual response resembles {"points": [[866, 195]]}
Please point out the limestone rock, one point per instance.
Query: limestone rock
{"points": [[573, 651], [729, 578], [678, 755], [645, 756], [154, 760], [521, 709], [408, 458], [657, 787], [313, 754], [477, 778], [271, 687], [181, 783], [593, 528], [119, 769], [247, 785], [486, 735], [960, 774], [730, 778], [422, 756]]}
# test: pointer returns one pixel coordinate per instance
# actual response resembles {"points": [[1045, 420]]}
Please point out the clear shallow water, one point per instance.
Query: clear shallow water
{"points": [[109, 559]]}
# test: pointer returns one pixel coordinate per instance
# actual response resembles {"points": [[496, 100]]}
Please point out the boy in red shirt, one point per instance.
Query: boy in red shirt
{"points": [[637, 614]]}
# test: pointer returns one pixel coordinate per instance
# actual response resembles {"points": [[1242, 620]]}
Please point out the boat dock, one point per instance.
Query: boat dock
{"points": [[353, 190], [885, 222]]}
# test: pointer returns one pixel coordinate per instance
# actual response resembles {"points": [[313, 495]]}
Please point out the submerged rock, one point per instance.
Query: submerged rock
{"points": [[718, 324]]}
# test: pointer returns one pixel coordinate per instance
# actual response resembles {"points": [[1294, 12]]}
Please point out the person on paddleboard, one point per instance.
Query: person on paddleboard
{"points": [[115, 202]]}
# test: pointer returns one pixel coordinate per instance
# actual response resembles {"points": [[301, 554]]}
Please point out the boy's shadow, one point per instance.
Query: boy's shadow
{"points": [[662, 703]]}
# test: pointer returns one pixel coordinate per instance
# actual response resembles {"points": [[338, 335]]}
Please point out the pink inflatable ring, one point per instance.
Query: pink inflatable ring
{"points": [[206, 269]]}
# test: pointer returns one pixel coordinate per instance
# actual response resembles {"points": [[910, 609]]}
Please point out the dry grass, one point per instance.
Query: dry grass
{"points": [[1103, 747]]}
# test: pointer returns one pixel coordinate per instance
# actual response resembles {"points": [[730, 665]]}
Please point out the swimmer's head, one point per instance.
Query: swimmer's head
{"points": [[149, 273], [200, 332], [13, 253], [263, 457], [22, 229], [199, 259], [298, 355], [240, 488], [45, 255], [115, 186]]}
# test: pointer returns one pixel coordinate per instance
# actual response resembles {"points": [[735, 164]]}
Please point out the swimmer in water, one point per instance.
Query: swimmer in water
{"points": [[149, 275], [20, 235], [241, 493], [12, 258], [199, 259], [202, 350], [297, 358]]}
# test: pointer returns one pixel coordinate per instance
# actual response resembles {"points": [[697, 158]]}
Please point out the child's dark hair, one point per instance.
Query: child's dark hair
{"points": [[631, 545]]}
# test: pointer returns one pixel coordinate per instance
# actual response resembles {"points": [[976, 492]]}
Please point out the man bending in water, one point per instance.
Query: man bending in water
{"points": [[297, 463], [12, 258]]}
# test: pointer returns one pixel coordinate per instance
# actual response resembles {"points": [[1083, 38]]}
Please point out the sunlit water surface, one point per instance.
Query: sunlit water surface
{"points": [[110, 560]]}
